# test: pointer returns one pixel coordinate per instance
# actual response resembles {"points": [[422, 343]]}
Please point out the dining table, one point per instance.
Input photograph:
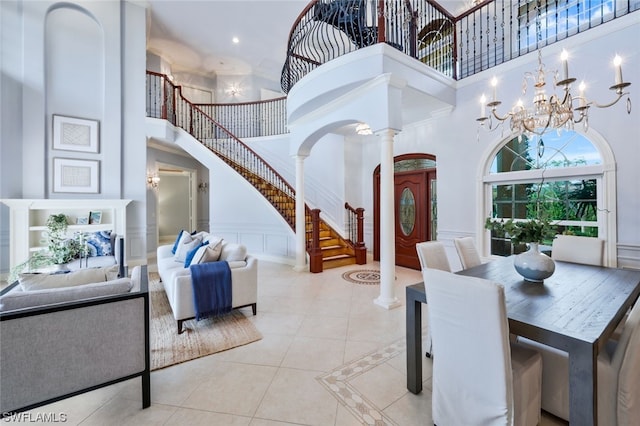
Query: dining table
{"points": [[575, 310]]}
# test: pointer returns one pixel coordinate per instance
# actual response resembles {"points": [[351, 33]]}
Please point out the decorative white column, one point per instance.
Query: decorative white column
{"points": [[301, 250], [387, 298]]}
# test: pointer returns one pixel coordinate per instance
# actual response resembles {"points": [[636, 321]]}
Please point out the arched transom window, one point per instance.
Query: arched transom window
{"points": [[558, 176]]}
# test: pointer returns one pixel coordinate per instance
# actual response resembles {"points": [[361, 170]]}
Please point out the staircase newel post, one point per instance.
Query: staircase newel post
{"points": [[315, 254], [360, 249]]}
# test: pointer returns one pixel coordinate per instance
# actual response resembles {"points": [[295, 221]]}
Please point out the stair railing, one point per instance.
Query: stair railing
{"points": [[484, 36], [165, 101], [355, 232], [250, 119]]}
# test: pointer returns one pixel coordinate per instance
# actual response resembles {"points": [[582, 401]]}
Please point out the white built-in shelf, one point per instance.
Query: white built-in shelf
{"points": [[28, 219]]}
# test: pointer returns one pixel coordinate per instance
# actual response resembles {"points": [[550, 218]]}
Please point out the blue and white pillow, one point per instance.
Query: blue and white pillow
{"points": [[99, 244]]}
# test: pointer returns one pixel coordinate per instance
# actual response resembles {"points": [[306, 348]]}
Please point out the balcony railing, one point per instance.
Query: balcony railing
{"points": [[250, 119], [165, 101], [486, 35]]}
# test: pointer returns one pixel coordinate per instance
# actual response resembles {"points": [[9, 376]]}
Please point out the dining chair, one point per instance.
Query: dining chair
{"points": [[479, 376], [578, 249], [618, 376], [433, 255], [467, 252]]}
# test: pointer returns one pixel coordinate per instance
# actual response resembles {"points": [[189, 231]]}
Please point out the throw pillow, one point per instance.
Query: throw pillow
{"points": [[175, 245], [214, 240], [30, 282], [211, 253], [186, 247], [184, 237], [203, 235], [235, 252], [190, 255], [99, 244]]}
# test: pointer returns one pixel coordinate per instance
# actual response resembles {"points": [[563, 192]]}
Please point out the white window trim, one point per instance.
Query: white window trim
{"points": [[604, 173]]}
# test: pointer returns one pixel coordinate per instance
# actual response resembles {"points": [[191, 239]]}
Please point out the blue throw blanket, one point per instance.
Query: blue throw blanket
{"points": [[211, 283]]}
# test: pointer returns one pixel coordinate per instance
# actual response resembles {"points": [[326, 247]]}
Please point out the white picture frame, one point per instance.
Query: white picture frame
{"points": [[95, 217], [76, 176], [75, 134]]}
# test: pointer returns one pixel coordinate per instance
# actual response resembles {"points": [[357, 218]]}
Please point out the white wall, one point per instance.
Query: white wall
{"points": [[325, 180], [71, 59]]}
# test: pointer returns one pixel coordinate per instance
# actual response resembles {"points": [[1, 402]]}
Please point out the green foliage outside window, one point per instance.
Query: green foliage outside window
{"points": [[567, 200]]}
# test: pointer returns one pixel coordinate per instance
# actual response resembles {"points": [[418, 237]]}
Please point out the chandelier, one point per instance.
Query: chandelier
{"points": [[549, 112]]}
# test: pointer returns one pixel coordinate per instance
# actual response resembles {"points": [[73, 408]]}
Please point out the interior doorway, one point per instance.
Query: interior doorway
{"points": [[176, 202], [415, 201]]}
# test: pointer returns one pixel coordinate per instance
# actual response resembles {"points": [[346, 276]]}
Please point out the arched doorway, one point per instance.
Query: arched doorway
{"points": [[414, 206]]}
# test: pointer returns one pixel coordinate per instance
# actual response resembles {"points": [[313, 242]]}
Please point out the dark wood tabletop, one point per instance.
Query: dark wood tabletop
{"points": [[575, 310]]}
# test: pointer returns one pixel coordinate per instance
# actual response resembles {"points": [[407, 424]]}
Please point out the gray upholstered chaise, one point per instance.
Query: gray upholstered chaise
{"points": [[53, 351]]}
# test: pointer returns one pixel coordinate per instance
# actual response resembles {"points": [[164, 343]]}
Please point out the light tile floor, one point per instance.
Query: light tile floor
{"points": [[329, 356]]}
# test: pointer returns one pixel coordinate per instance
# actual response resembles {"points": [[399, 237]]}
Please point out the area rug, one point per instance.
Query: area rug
{"points": [[363, 276], [199, 338]]}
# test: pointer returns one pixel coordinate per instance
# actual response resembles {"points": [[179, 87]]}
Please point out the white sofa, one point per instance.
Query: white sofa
{"points": [[176, 280]]}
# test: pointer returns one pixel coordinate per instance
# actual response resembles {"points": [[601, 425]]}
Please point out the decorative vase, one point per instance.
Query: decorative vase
{"points": [[533, 265], [60, 268]]}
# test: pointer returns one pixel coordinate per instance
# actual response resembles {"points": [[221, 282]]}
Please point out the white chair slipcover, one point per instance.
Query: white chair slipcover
{"points": [[577, 249], [618, 376], [467, 252], [479, 376], [433, 255]]}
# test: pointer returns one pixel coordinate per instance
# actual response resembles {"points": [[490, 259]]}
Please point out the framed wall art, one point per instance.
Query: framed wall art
{"points": [[75, 134], [95, 218], [79, 176]]}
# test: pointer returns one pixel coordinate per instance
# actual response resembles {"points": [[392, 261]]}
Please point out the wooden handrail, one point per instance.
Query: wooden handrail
{"points": [[355, 231], [481, 37], [195, 121], [182, 113]]}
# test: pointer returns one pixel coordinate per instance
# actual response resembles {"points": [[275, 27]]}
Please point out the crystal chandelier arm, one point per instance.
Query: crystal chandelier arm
{"points": [[504, 118], [620, 95]]}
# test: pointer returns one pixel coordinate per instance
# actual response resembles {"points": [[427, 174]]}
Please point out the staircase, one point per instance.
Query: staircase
{"points": [[335, 252], [165, 101]]}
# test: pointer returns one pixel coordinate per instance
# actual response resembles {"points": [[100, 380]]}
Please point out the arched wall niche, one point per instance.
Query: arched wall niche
{"points": [[74, 75]]}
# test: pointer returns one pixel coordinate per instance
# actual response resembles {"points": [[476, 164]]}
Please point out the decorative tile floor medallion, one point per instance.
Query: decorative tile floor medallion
{"points": [[363, 276], [337, 383]]}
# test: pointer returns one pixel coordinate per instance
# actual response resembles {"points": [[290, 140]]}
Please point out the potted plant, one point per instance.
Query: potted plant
{"points": [[60, 248], [523, 231], [532, 265]]}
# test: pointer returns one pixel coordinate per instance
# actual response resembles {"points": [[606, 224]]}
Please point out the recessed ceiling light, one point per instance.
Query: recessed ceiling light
{"points": [[236, 40]]}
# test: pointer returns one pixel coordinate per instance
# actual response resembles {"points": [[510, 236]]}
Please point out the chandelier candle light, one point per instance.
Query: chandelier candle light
{"points": [[550, 112]]}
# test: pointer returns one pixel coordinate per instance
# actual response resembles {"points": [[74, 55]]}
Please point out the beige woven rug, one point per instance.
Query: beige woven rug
{"points": [[199, 338]]}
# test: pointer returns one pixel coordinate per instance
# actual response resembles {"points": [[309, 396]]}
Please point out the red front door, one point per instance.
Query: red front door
{"points": [[414, 200]]}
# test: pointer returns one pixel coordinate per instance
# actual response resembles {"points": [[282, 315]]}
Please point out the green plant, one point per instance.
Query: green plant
{"points": [[523, 231], [60, 249]]}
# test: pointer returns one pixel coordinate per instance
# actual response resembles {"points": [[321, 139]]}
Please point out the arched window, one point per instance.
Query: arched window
{"points": [[563, 176]]}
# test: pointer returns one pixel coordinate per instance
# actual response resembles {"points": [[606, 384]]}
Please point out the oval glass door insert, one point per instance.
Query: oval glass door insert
{"points": [[407, 213]]}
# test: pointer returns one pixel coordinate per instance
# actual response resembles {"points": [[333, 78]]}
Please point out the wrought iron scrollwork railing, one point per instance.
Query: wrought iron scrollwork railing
{"points": [[484, 36], [355, 232], [165, 101], [250, 119]]}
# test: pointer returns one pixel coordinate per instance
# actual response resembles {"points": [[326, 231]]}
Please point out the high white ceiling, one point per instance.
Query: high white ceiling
{"points": [[196, 36]]}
